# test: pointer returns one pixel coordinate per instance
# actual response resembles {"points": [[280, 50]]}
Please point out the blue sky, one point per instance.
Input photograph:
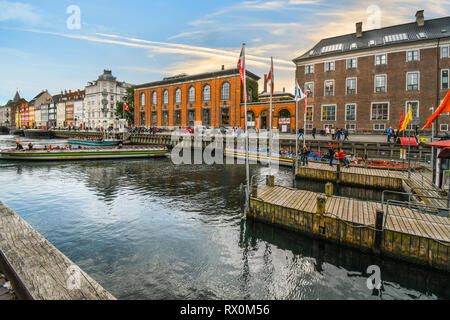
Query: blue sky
{"points": [[143, 41]]}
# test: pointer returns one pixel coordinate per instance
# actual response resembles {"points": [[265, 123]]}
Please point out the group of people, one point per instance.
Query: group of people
{"points": [[306, 153], [336, 134]]}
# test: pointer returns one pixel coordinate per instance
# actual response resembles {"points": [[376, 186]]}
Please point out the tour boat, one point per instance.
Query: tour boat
{"points": [[84, 154], [94, 142]]}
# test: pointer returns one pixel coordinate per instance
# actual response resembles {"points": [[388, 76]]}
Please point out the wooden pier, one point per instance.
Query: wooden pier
{"points": [[403, 233], [36, 269]]}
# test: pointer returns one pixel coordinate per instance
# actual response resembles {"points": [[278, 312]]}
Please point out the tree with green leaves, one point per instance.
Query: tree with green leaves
{"points": [[121, 113]]}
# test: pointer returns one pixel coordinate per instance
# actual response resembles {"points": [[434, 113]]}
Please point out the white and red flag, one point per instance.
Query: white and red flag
{"points": [[270, 77], [125, 106], [241, 66]]}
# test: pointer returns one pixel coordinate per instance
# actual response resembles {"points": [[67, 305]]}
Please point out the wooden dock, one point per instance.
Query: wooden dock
{"points": [[403, 234], [36, 269]]}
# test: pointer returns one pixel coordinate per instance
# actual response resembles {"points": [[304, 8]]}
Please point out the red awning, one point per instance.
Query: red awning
{"points": [[408, 141], [440, 144]]}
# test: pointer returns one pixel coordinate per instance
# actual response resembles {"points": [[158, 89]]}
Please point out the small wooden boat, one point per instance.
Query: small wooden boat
{"points": [[97, 143], [84, 154]]}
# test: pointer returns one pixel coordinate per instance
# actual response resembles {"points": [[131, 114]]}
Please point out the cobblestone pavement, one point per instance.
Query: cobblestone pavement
{"points": [[5, 292]]}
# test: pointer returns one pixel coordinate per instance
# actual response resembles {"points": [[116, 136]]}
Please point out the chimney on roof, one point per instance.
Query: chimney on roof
{"points": [[359, 30], [284, 90], [420, 20], [223, 67], [265, 83]]}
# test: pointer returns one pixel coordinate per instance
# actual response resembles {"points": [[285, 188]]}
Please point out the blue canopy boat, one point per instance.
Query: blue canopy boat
{"points": [[94, 142]]}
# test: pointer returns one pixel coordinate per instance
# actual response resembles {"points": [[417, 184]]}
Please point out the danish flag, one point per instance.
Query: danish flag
{"points": [[241, 66]]}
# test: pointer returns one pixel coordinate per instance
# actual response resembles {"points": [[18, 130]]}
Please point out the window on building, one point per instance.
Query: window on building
{"points": [[380, 111], [380, 83], [329, 113], [414, 109], [191, 96], [444, 79], [412, 79], [445, 52], [329, 88], [154, 119], [206, 117], [443, 127], [379, 126], [191, 118], [142, 118], [165, 118], [350, 112], [177, 118], [308, 126], [351, 63], [412, 55], [225, 91], [351, 86], [166, 97], [309, 113], [225, 114], [350, 126], [178, 96], [309, 69], [328, 125], [309, 86], [154, 98], [329, 66], [206, 93], [380, 59]]}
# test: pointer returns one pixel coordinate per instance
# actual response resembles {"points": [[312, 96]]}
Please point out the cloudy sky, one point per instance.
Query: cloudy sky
{"points": [[42, 46]]}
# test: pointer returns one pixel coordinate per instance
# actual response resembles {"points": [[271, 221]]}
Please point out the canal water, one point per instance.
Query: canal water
{"points": [[148, 229]]}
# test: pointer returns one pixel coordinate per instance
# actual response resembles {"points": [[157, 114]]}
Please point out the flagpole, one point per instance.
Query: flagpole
{"points": [[296, 130], [304, 121], [247, 169], [270, 118], [409, 144]]}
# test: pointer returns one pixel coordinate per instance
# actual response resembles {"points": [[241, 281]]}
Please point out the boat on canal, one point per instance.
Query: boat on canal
{"points": [[59, 154], [86, 142]]}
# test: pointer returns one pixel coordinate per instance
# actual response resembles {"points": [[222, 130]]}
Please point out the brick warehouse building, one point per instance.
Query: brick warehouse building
{"points": [[363, 81], [210, 99]]}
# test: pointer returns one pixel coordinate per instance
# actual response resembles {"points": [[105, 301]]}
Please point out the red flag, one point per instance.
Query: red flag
{"points": [[401, 119], [241, 66], [443, 108], [270, 76], [125, 106]]}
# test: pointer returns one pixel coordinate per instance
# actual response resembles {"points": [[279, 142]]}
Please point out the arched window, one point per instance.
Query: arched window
{"points": [[249, 95], [154, 98], [207, 93], [191, 97], [178, 96], [225, 91], [142, 101], [166, 97]]}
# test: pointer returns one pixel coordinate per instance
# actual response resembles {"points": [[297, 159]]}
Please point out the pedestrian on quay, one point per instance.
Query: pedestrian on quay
{"points": [[304, 155], [389, 134], [314, 130], [338, 134], [301, 134], [346, 135], [331, 154], [333, 133], [327, 131]]}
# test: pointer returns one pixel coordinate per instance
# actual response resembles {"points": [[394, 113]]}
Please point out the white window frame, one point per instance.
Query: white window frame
{"points": [[330, 125], [413, 50], [448, 79], [375, 83], [309, 69], [350, 124], [379, 55], [379, 124], [309, 126], [380, 102], [352, 67], [356, 108], [166, 91], [356, 85], [418, 80], [327, 63], [325, 88], [312, 112], [154, 98], [306, 89], [418, 107], [178, 96], [448, 52], [328, 105], [443, 124]]}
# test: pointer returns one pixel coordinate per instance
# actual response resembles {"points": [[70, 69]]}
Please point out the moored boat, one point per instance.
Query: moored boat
{"points": [[84, 154], [94, 142]]}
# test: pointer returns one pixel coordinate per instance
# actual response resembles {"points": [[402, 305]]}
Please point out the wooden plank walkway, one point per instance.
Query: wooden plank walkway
{"points": [[407, 233], [37, 269]]}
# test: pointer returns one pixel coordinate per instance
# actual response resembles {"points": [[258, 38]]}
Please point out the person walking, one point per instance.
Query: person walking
{"points": [[333, 133], [304, 156], [301, 134], [346, 135], [338, 134], [389, 134], [314, 133], [327, 131], [331, 153]]}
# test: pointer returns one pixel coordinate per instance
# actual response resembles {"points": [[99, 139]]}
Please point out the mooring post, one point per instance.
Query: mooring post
{"points": [[255, 191], [378, 232], [338, 172], [321, 202], [270, 181], [329, 189]]}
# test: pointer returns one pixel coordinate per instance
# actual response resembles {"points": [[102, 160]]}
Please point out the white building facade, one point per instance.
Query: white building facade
{"points": [[100, 101]]}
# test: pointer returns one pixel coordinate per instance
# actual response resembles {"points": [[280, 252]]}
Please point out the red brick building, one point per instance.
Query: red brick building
{"points": [[211, 99], [363, 81]]}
